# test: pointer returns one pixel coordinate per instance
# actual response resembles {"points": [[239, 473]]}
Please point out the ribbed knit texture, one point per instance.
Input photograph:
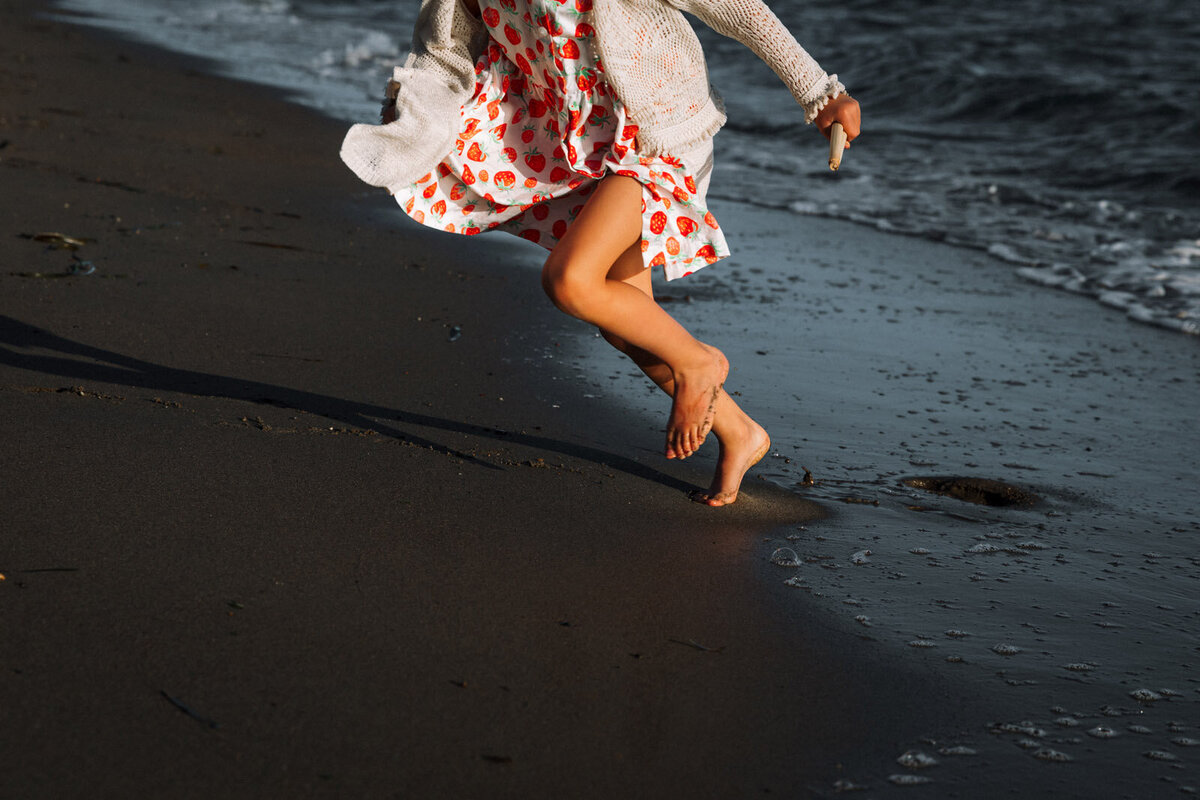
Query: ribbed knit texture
{"points": [[650, 56], [653, 61]]}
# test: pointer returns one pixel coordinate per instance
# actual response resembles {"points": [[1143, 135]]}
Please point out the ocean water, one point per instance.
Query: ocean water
{"points": [[1063, 138]]}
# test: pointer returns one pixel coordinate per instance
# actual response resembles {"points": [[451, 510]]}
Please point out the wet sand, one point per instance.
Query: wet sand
{"points": [[1066, 605], [301, 499]]}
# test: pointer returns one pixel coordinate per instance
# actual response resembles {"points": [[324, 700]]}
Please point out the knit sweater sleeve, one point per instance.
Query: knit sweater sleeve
{"points": [[753, 24], [437, 78]]}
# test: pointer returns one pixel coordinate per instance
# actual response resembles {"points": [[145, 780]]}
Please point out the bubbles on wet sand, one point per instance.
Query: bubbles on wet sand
{"points": [[954, 633], [1079, 667], [915, 759], [1067, 722], [1048, 754], [785, 557], [1006, 649], [920, 551], [958, 750], [1024, 727], [861, 557], [1145, 695], [909, 780], [1142, 729], [1102, 732], [863, 619], [844, 785], [795, 582], [1186, 741], [1160, 755], [922, 643]]}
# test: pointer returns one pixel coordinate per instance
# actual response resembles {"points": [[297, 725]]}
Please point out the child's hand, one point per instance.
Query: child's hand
{"points": [[843, 109]]}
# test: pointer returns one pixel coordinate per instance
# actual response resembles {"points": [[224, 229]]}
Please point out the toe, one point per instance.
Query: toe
{"points": [[722, 499]]}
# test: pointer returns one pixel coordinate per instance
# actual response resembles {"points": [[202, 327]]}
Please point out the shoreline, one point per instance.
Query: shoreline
{"points": [[381, 560]]}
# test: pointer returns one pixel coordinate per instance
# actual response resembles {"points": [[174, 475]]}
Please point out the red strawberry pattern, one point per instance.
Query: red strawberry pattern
{"points": [[536, 161], [541, 130]]}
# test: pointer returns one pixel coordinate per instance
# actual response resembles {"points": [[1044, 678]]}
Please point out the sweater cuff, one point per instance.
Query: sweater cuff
{"points": [[819, 95]]}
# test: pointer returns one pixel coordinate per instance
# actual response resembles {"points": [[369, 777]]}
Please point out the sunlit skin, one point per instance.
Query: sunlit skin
{"points": [[843, 109], [596, 273]]}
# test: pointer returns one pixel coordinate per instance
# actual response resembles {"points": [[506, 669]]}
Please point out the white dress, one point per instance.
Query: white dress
{"points": [[542, 128]]}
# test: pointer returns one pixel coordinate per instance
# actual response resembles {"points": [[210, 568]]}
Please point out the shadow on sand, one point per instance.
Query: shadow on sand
{"points": [[105, 366]]}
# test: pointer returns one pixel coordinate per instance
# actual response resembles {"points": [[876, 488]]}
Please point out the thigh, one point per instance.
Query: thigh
{"points": [[631, 268], [609, 224]]}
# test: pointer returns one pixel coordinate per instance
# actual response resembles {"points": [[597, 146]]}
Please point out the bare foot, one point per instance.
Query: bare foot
{"points": [[696, 391], [738, 454]]}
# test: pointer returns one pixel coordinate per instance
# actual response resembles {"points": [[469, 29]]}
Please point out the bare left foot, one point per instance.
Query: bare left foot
{"points": [[696, 391], [739, 453]]}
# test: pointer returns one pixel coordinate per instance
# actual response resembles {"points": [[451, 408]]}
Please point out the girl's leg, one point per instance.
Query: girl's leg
{"points": [[576, 279], [743, 441]]}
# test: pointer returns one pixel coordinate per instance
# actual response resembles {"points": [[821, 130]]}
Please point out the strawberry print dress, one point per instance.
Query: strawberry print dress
{"points": [[542, 128]]}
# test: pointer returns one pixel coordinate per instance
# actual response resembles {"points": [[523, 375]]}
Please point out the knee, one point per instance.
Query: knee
{"points": [[565, 290]]}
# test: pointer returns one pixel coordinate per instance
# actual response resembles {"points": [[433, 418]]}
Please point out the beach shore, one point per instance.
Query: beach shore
{"points": [[292, 503], [303, 499]]}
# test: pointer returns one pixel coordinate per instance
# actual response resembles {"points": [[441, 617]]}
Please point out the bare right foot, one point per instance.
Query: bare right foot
{"points": [[739, 452], [696, 390]]}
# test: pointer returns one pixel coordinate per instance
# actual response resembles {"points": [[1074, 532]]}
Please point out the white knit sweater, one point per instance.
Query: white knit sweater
{"points": [[650, 56]]}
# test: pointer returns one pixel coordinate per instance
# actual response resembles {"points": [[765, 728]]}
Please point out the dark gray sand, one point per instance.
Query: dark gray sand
{"points": [[301, 500]]}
